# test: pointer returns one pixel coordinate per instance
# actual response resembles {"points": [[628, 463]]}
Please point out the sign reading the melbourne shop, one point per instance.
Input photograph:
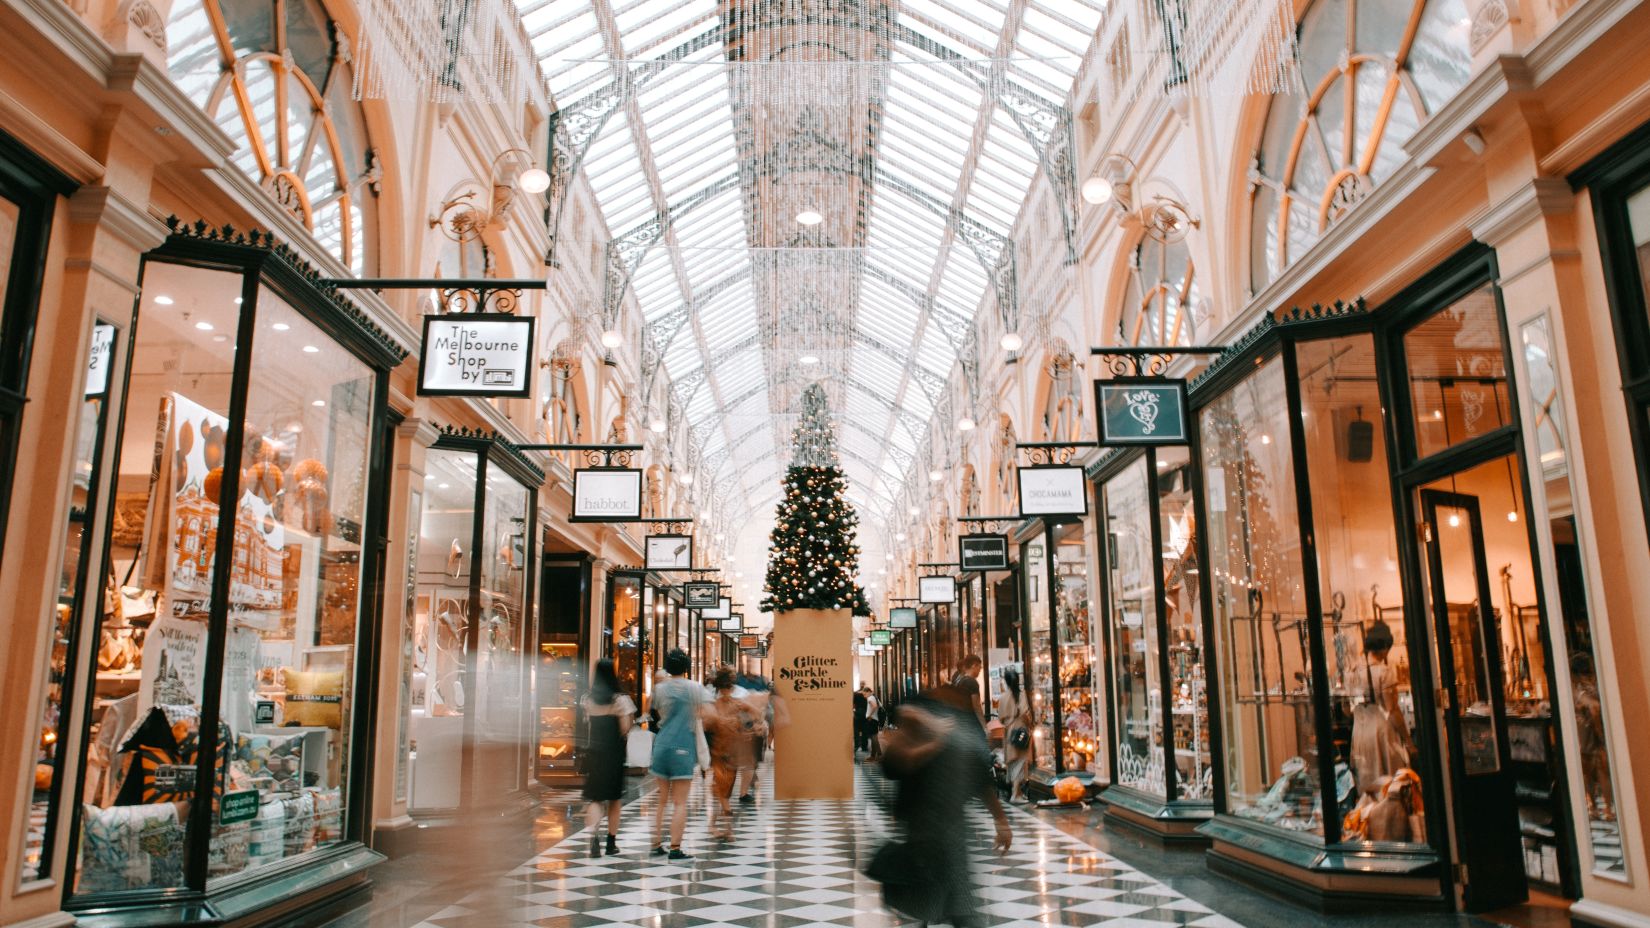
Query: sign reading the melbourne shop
{"points": [[476, 354], [607, 494], [902, 617], [1054, 490], [703, 594], [669, 552], [1141, 411], [936, 590], [983, 552]]}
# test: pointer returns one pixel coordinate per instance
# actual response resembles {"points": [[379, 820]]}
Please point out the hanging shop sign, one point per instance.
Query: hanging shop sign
{"points": [[701, 594], [1142, 411], [722, 609], [669, 552], [607, 494], [750, 643], [983, 552], [936, 590], [902, 617], [882, 637], [476, 354], [734, 623], [1053, 490]]}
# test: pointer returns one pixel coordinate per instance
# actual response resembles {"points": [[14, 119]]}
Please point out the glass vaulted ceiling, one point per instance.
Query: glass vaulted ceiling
{"points": [[710, 122]]}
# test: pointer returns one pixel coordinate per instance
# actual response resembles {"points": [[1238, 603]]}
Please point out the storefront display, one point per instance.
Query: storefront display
{"points": [[222, 714], [1329, 613], [1163, 772], [1058, 640], [564, 607], [473, 632]]}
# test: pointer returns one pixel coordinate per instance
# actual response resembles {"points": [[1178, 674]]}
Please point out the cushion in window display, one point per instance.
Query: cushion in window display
{"points": [[315, 698], [279, 758], [329, 815], [230, 849], [130, 847], [298, 834], [267, 841]]}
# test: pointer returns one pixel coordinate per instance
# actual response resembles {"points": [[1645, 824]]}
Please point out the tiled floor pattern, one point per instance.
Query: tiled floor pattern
{"points": [[795, 864]]}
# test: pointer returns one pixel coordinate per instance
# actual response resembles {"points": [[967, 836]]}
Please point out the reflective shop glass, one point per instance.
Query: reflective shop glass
{"points": [[1458, 374], [290, 661], [79, 592], [1187, 732], [1366, 643], [1080, 741], [144, 715], [1136, 673], [1259, 606], [1544, 403]]}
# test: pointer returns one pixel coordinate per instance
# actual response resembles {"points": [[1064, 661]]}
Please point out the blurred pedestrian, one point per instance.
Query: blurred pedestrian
{"points": [[731, 723], [608, 715], [937, 753], [758, 697], [675, 750], [873, 723], [967, 682], [859, 723], [1015, 712]]}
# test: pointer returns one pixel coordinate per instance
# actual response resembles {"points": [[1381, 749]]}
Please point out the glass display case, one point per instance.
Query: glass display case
{"points": [[474, 639], [1163, 774], [1057, 639], [243, 524], [564, 611]]}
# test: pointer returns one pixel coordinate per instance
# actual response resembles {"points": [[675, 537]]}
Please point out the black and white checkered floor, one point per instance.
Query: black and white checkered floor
{"points": [[795, 864]]}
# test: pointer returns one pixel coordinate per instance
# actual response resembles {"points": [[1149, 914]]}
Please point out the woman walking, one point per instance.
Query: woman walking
{"points": [[608, 715], [1015, 712], [675, 749], [732, 724]]}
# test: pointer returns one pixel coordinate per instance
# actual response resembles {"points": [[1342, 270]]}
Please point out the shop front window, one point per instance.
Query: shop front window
{"points": [[77, 590], [1372, 74], [442, 641], [1545, 404], [1366, 643], [1137, 681], [151, 651], [1077, 647], [1259, 606], [1458, 374], [294, 594], [1040, 653], [1188, 731], [625, 628]]}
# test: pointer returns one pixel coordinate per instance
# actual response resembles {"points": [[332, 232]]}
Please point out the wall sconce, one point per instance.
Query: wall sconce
{"points": [[463, 221], [1164, 219], [1112, 183]]}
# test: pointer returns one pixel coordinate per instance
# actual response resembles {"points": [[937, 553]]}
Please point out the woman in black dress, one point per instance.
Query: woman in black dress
{"points": [[608, 715]]}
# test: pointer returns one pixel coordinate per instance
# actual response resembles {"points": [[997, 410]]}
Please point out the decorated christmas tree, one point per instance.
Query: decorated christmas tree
{"points": [[813, 559]]}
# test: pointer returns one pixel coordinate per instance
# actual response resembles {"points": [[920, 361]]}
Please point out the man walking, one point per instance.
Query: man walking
{"points": [[967, 682], [872, 721]]}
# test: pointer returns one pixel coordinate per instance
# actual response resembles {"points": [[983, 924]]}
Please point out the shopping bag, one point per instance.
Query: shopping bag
{"points": [[638, 747]]}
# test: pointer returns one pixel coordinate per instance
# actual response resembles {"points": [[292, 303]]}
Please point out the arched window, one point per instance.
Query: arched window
{"points": [[1372, 73], [274, 75], [1161, 306]]}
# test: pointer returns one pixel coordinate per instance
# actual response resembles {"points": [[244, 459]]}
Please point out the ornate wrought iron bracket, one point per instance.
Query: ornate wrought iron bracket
{"points": [[992, 524], [1146, 361], [458, 294], [595, 455], [1053, 452], [666, 526]]}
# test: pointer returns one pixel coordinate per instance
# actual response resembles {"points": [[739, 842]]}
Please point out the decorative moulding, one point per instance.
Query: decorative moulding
{"points": [[1490, 18], [1542, 196]]}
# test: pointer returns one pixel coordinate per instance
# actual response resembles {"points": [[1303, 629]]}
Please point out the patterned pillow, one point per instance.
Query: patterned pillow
{"points": [[277, 757], [130, 847], [329, 815], [299, 834], [167, 772]]}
